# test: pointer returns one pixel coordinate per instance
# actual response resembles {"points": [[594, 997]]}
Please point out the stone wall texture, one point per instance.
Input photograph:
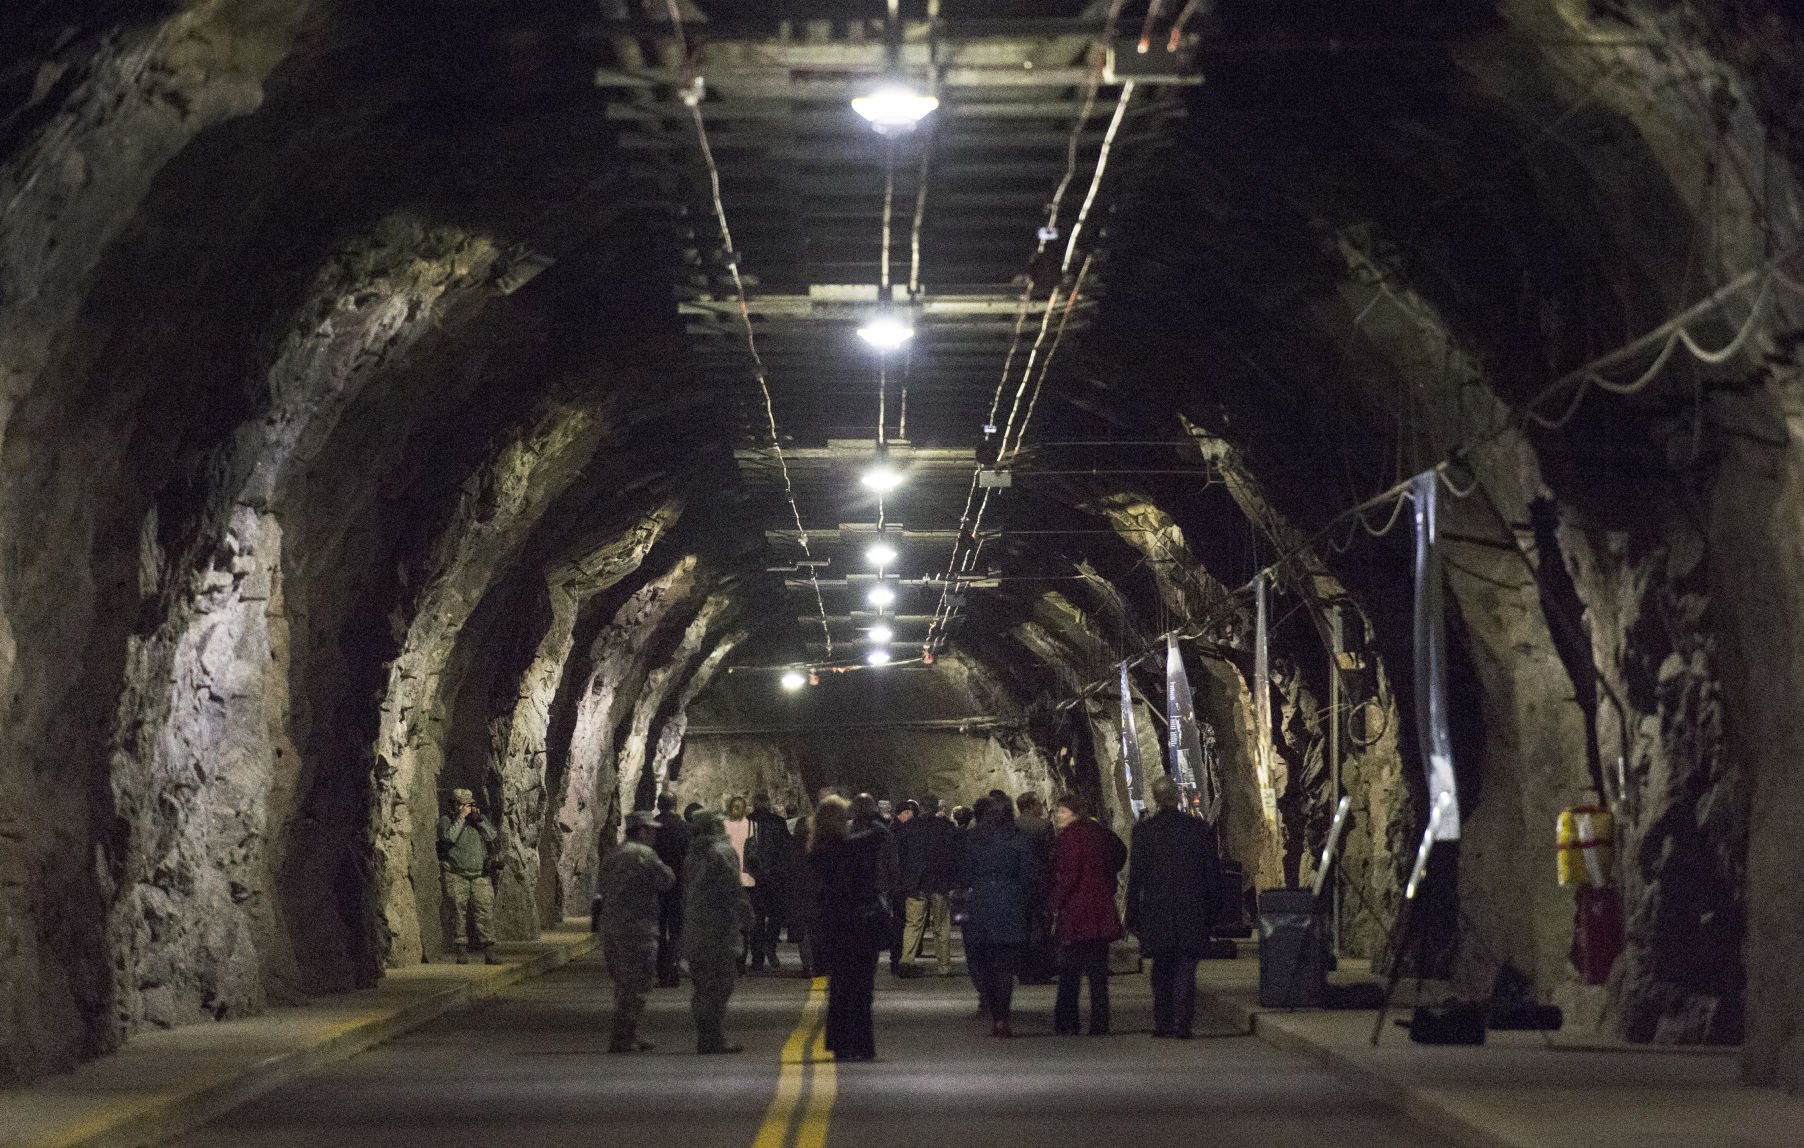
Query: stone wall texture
{"points": [[351, 448]]}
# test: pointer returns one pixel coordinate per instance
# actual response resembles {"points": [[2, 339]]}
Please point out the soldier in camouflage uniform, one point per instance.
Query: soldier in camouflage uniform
{"points": [[627, 889], [716, 911], [464, 836]]}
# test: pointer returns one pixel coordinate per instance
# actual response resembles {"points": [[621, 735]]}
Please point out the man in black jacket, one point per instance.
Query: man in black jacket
{"points": [[671, 843], [928, 857], [768, 858], [1172, 874]]}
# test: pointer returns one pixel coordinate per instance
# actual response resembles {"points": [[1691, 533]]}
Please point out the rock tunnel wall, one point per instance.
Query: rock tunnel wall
{"points": [[895, 735], [309, 506]]}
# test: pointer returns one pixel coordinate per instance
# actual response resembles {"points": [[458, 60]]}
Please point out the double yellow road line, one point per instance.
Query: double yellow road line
{"points": [[807, 1083]]}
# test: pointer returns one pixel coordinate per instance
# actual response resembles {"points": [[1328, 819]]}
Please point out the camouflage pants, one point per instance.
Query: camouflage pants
{"points": [[633, 965], [714, 976], [470, 901]]}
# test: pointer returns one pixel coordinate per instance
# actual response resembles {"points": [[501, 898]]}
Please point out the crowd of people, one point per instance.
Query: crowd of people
{"points": [[1035, 897]]}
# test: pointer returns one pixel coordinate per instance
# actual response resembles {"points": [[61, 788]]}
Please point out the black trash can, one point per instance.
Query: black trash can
{"points": [[1293, 950]]}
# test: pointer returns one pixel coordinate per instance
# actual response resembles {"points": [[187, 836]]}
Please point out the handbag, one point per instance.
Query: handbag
{"points": [[873, 922]]}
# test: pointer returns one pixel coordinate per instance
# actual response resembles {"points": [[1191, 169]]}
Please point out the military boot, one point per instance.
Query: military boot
{"points": [[488, 955]]}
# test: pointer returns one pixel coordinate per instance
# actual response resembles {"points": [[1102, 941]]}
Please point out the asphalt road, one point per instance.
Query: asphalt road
{"points": [[529, 1068]]}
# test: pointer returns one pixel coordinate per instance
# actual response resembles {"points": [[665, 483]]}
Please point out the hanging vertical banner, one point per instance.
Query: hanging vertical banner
{"points": [[1431, 660], [1185, 744], [1180, 713], [1262, 709], [1130, 747]]}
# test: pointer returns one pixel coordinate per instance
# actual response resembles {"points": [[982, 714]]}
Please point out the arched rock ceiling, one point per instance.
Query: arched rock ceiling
{"points": [[373, 411]]}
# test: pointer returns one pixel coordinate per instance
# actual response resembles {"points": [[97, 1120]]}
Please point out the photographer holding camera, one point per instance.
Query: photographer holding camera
{"points": [[464, 836]]}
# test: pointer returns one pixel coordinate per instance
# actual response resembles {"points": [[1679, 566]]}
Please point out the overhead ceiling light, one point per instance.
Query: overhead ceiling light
{"points": [[794, 680], [878, 657], [881, 634], [887, 332], [880, 554], [881, 478], [880, 596], [894, 109]]}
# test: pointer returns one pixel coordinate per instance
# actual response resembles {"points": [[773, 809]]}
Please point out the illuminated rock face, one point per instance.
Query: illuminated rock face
{"points": [[315, 501]]}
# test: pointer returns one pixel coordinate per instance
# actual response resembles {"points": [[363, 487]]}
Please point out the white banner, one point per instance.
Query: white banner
{"points": [[1431, 660]]}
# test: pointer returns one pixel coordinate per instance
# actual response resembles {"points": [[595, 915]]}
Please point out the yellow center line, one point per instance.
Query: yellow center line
{"points": [[793, 1075], [823, 1087]]}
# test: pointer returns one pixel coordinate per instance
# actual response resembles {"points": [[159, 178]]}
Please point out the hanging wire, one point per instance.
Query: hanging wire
{"points": [[889, 206], [908, 363], [1668, 337], [1146, 26], [692, 98], [1178, 25], [1052, 306], [1102, 164], [926, 170], [1077, 290], [1047, 235]]}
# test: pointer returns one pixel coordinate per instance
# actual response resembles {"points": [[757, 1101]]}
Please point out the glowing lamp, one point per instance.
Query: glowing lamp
{"points": [[894, 110], [794, 680], [880, 554], [881, 634], [881, 479], [878, 657], [886, 333], [881, 596]]}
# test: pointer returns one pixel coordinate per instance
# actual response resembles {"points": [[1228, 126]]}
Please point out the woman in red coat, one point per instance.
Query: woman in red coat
{"points": [[1086, 858]]}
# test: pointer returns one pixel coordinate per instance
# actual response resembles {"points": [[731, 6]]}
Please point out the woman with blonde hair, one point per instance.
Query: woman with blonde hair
{"points": [[854, 924]]}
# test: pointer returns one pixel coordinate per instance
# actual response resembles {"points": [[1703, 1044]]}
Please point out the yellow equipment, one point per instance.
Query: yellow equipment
{"points": [[1587, 836]]}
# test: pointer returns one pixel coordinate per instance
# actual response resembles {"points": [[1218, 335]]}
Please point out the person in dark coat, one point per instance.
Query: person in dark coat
{"points": [[1040, 962], [671, 844], [1001, 875], [847, 857], [928, 853], [1172, 868], [768, 859], [1083, 913], [867, 813]]}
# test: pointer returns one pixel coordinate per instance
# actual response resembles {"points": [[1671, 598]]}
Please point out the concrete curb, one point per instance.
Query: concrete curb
{"points": [[1440, 1113], [116, 1118]]}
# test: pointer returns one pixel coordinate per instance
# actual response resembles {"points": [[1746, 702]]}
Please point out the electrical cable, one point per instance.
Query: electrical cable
{"points": [[933, 89], [1047, 234], [1146, 26], [889, 204], [691, 98], [1668, 336], [1453, 488], [1077, 290], [968, 522], [1178, 25], [1102, 164]]}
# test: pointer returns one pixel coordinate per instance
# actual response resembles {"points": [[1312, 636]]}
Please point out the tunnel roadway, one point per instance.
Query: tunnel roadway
{"points": [[528, 1068]]}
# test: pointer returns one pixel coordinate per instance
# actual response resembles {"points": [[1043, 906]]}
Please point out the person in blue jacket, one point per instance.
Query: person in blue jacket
{"points": [[1002, 879]]}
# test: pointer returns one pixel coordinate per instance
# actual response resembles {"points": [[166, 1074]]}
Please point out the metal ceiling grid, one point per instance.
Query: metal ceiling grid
{"points": [[803, 183]]}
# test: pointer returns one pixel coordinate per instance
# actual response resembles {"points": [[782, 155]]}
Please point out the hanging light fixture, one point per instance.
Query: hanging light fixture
{"points": [[881, 478], [881, 596], [794, 680], [878, 657], [886, 332], [880, 554], [894, 109], [881, 634]]}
